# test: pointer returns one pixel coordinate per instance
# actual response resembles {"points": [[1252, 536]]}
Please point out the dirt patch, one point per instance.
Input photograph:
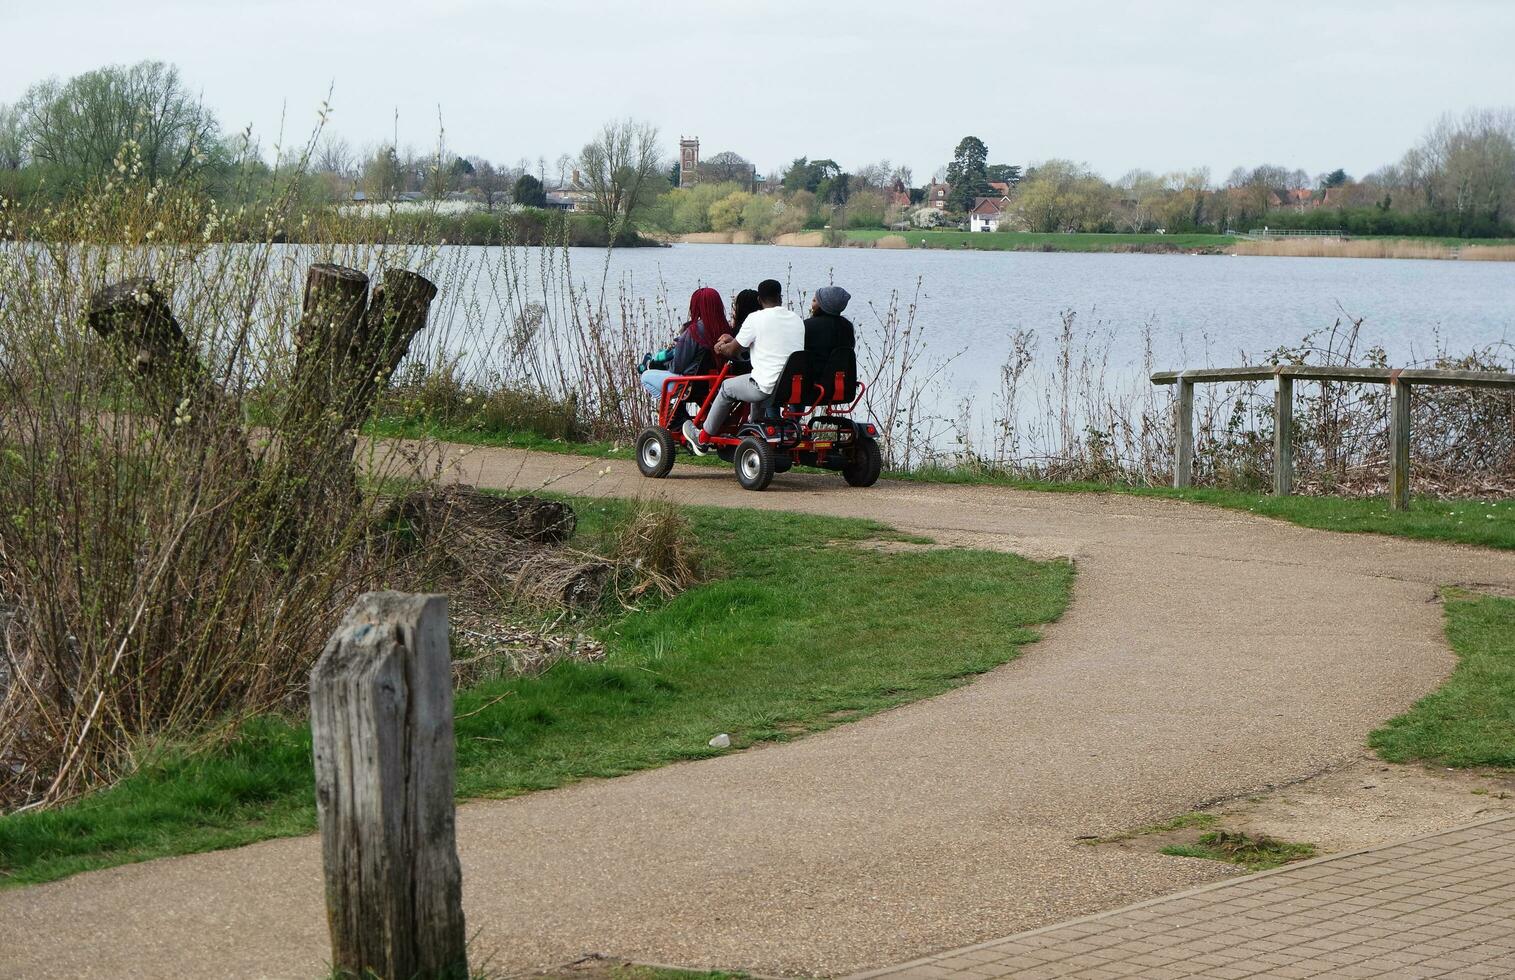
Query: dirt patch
{"points": [[1367, 803], [598, 967]]}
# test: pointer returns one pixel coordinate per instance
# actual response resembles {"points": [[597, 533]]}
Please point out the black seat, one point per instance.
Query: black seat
{"points": [[795, 390], [838, 376]]}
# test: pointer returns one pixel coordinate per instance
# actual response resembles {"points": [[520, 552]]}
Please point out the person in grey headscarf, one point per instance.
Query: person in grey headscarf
{"points": [[827, 329]]}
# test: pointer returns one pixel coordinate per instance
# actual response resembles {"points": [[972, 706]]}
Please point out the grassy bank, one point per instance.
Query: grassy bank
{"points": [[765, 652], [1016, 241], [1470, 720]]}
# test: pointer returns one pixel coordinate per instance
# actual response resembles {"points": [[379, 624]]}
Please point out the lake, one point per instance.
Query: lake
{"points": [[1200, 308], [1193, 310]]}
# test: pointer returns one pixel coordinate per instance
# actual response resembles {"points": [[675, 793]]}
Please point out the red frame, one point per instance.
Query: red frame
{"points": [[674, 386]]}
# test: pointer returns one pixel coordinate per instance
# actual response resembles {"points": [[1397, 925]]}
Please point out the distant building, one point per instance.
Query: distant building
{"points": [[899, 194], [986, 214], [689, 162], [692, 170], [937, 194]]}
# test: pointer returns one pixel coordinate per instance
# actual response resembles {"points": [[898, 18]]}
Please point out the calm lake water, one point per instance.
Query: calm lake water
{"points": [[1200, 308]]}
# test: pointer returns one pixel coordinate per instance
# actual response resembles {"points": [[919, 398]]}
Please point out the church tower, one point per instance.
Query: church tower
{"points": [[689, 161]]}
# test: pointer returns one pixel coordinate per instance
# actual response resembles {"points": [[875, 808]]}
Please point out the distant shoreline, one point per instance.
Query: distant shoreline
{"points": [[1188, 244]]}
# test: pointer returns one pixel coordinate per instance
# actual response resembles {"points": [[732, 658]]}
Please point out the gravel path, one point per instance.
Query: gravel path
{"points": [[1206, 654]]}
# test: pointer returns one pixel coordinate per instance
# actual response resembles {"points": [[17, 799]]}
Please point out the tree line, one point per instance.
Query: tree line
{"points": [[63, 135]]}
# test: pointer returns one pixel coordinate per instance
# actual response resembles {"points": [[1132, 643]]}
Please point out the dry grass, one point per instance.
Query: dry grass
{"points": [[1355, 248], [891, 241], [1488, 253], [170, 576], [805, 239]]}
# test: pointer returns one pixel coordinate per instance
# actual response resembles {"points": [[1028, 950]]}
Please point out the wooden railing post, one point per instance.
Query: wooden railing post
{"points": [[381, 727], [1283, 436], [1183, 449], [1399, 443]]}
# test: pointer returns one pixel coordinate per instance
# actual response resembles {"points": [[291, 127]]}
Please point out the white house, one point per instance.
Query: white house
{"points": [[986, 214]]}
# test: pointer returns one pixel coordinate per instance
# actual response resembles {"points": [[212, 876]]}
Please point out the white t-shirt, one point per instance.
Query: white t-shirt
{"points": [[772, 335]]}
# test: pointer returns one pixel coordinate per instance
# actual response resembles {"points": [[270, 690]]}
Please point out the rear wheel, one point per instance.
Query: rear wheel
{"points": [[655, 452], [866, 464], [754, 463]]}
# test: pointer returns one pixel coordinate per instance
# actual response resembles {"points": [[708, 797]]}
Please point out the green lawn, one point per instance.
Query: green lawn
{"points": [[1470, 720], [1000, 241], [801, 630]]}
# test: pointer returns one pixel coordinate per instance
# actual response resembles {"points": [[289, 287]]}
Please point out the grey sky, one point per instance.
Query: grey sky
{"points": [[1161, 85]]}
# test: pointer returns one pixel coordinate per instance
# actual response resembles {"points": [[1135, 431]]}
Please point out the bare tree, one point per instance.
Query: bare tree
{"points": [[490, 181], [727, 166], [335, 156], [11, 142], [621, 167]]}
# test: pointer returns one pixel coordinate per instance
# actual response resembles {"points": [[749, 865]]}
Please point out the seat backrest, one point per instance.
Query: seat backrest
{"points": [[794, 386], [838, 376]]}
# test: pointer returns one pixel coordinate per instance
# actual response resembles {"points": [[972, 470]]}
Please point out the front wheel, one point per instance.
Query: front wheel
{"points": [[655, 452], [867, 462], [754, 463]]}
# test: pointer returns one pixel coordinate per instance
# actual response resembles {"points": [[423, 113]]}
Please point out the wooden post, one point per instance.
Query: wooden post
{"points": [[1399, 443], [1183, 450], [1283, 436], [381, 727]]}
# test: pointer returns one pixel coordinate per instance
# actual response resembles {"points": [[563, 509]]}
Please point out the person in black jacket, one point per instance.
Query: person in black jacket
{"points": [[827, 329]]}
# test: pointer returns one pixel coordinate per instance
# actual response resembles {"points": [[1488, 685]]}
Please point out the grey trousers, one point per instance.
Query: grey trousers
{"points": [[739, 389]]}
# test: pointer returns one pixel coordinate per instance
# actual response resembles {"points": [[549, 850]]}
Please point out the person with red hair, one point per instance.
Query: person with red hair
{"points": [[694, 350]]}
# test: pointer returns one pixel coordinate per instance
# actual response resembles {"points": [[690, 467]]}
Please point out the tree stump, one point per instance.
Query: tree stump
{"points": [[382, 735], [134, 317]]}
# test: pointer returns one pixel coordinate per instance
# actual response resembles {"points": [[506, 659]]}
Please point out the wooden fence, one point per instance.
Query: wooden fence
{"points": [[1401, 382]]}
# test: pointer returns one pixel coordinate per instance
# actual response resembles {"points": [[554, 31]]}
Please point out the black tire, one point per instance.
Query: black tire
{"points": [[655, 452], [866, 464], [753, 463]]}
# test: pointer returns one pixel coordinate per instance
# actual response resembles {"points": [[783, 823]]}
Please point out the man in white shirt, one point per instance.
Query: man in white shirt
{"points": [[771, 334]]}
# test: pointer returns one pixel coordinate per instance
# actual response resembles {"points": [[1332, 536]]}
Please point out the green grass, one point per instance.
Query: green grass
{"points": [[1000, 241], [1470, 720], [1255, 852], [802, 631]]}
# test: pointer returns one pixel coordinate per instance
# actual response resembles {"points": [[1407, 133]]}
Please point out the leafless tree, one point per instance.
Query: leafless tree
{"points": [[335, 156], [621, 167], [490, 181]]}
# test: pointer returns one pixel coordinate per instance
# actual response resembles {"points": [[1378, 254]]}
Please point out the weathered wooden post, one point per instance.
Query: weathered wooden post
{"points": [[381, 726], [1399, 443], [1283, 435], [1183, 450]]}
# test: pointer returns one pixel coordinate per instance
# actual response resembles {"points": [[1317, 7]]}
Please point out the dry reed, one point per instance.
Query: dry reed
{"points": [[1354, 248]]}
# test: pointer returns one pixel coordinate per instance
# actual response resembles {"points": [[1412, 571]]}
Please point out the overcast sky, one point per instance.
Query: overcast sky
{"points": [[1158, 85]]}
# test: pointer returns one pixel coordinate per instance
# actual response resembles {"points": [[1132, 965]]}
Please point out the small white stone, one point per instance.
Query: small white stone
{"points": [[721, 741]]}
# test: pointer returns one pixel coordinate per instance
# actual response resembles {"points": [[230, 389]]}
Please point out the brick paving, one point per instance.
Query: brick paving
{"points": [[1437, 906]]}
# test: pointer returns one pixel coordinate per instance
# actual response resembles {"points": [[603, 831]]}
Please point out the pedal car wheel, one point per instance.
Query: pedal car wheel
{"points": [[867, 462], [655, 452], [754, 463]]}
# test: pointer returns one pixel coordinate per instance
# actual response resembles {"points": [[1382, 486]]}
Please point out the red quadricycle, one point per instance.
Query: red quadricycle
{"points": [[807, 423]]}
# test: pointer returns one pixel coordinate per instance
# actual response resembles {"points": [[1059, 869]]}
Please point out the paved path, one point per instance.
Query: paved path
{"points": [[1206, 654], [1438, 906]]}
